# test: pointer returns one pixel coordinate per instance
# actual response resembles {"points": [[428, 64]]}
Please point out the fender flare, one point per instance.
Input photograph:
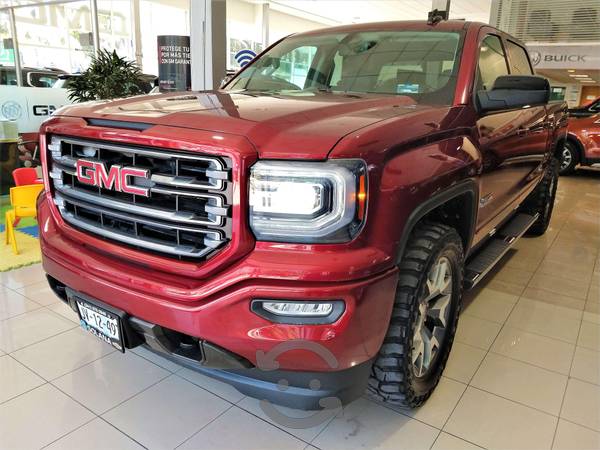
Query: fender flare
{"points": [[578, 145], [468, 187]]}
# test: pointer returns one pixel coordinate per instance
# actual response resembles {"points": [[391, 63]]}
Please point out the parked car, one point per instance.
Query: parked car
{"points": [[582, 146], [147, 82], [589, 109], [306, 231], [44, 78]]}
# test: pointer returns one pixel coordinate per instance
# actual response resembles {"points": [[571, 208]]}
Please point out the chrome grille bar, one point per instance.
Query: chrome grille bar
{"points": [[217, 172], [156, 213]]}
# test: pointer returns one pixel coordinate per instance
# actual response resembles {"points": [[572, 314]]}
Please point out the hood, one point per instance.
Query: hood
{"points": [[304, 125]]}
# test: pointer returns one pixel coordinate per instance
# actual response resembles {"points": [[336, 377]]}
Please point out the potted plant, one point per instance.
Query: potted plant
{"points": [[109, 76]]}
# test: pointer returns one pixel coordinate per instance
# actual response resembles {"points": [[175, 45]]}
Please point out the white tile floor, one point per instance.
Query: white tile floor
{"points": [[524, 371]]}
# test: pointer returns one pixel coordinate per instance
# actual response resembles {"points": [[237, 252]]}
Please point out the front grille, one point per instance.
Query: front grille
{"points": [[186, 214]]}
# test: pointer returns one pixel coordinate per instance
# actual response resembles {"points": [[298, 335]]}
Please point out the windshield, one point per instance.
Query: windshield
{"points": [[420, 64]]}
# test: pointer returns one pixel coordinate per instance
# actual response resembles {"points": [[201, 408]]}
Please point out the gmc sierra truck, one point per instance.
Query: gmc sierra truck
{"points": [[306, 231]]}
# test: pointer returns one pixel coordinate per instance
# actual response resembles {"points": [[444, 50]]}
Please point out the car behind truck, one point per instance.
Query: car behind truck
{"points": [[324, 210]]}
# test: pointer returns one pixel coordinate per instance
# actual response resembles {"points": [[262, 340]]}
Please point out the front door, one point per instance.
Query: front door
{"points": [[512, 142]]}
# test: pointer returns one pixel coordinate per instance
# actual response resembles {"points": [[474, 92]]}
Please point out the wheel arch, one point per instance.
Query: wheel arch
{"points": [[572, 138], [464, 196]]}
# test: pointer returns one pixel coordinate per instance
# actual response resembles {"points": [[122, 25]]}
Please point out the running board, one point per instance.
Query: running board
{"points": [[486, 258]]}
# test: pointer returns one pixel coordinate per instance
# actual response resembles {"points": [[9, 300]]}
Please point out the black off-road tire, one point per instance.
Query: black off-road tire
{"points": [[541, 200], [393, 379], [570, 152]]}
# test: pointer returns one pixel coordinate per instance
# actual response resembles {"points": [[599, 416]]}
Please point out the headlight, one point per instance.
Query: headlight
{"points": [[311, 202]]}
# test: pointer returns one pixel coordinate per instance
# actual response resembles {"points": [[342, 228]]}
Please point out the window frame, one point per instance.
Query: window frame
{"points": [[477, 71], [484, 33], [508, 56]]}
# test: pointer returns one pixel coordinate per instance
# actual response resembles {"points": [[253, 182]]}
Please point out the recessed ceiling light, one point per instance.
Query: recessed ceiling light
{"points": [[571, 70], [586, 81], [580, 75]]}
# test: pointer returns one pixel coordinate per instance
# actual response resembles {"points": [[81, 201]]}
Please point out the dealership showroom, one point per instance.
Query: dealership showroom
{"points": [[300, 224]]}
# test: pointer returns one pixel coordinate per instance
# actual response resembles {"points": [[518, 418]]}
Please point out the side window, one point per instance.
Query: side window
{"points": [[519, 62], [492, 62], [294, 66], [41, 79]]}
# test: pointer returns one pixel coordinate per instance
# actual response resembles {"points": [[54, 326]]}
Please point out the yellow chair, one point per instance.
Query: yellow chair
{"points": [[22, 199]]}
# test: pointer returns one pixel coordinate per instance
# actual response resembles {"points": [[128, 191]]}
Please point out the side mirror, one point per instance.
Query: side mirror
{"points": [[514, 91], [29, 81]]}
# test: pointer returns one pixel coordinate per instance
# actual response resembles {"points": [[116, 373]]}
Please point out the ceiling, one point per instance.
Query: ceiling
{"points": [[354, 11], [564, 76]]}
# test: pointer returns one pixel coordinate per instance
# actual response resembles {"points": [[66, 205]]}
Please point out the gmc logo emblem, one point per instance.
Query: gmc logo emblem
{"points": [[117, 178]]}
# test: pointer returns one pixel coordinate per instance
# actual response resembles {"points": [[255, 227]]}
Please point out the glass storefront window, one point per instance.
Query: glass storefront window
{"points": [[7, 56], [55, 35], [115, 27], [161, 17], [60, 35]]}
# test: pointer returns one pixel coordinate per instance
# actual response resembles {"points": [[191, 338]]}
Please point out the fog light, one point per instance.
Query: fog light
{"points": [[299, 312], [298, 309]]}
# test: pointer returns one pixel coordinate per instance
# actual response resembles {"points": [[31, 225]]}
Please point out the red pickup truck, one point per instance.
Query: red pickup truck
{"points": [[306, 231]]}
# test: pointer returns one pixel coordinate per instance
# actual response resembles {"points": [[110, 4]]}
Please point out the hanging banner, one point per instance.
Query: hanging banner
{"points": [[174, 63]]}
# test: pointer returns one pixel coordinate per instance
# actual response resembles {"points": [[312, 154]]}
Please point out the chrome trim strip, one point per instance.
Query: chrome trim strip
{"points": [[219, 176], [173, 216], [215, 163], [183, 181], [162, 154], [215, 235], [178, 250]]}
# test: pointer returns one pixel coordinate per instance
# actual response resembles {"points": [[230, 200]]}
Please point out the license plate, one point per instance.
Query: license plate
{"points": [[101, 323]]}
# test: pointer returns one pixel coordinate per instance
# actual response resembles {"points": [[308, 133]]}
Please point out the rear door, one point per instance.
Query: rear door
{"points": [[512, 142]]}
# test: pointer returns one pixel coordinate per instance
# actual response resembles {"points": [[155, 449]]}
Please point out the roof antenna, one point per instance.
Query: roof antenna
{"points": [[440, 11], [436, 16]]}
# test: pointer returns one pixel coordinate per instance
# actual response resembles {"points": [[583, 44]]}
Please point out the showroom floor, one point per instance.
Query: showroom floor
{"points": [[524, 371]]}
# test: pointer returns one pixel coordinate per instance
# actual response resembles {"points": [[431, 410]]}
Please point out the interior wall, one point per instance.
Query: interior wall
{"points": [[244, 27], [589, 93], [281, 24]]}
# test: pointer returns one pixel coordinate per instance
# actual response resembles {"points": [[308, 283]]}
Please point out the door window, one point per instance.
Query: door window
{"points": [[519, 62], [492, 62], [41, 79]]}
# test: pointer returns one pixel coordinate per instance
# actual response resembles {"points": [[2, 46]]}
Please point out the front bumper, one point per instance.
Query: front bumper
{"points": [[224, 318], [289, 388]]}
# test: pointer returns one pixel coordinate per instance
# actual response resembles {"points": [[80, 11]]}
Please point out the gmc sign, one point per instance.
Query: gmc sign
{"points": [[117, 178]]}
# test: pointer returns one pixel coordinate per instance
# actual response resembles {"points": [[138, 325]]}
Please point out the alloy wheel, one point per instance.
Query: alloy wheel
{"points": [[566, 159], [432, 321]]}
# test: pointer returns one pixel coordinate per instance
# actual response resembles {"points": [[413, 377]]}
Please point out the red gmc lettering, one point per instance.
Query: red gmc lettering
{"points": [[127, 172], [109, 179], [116, 178], [86, 176]]}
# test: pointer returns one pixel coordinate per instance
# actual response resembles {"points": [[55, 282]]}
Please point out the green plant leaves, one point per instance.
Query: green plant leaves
{"points": [[109, 76]]}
